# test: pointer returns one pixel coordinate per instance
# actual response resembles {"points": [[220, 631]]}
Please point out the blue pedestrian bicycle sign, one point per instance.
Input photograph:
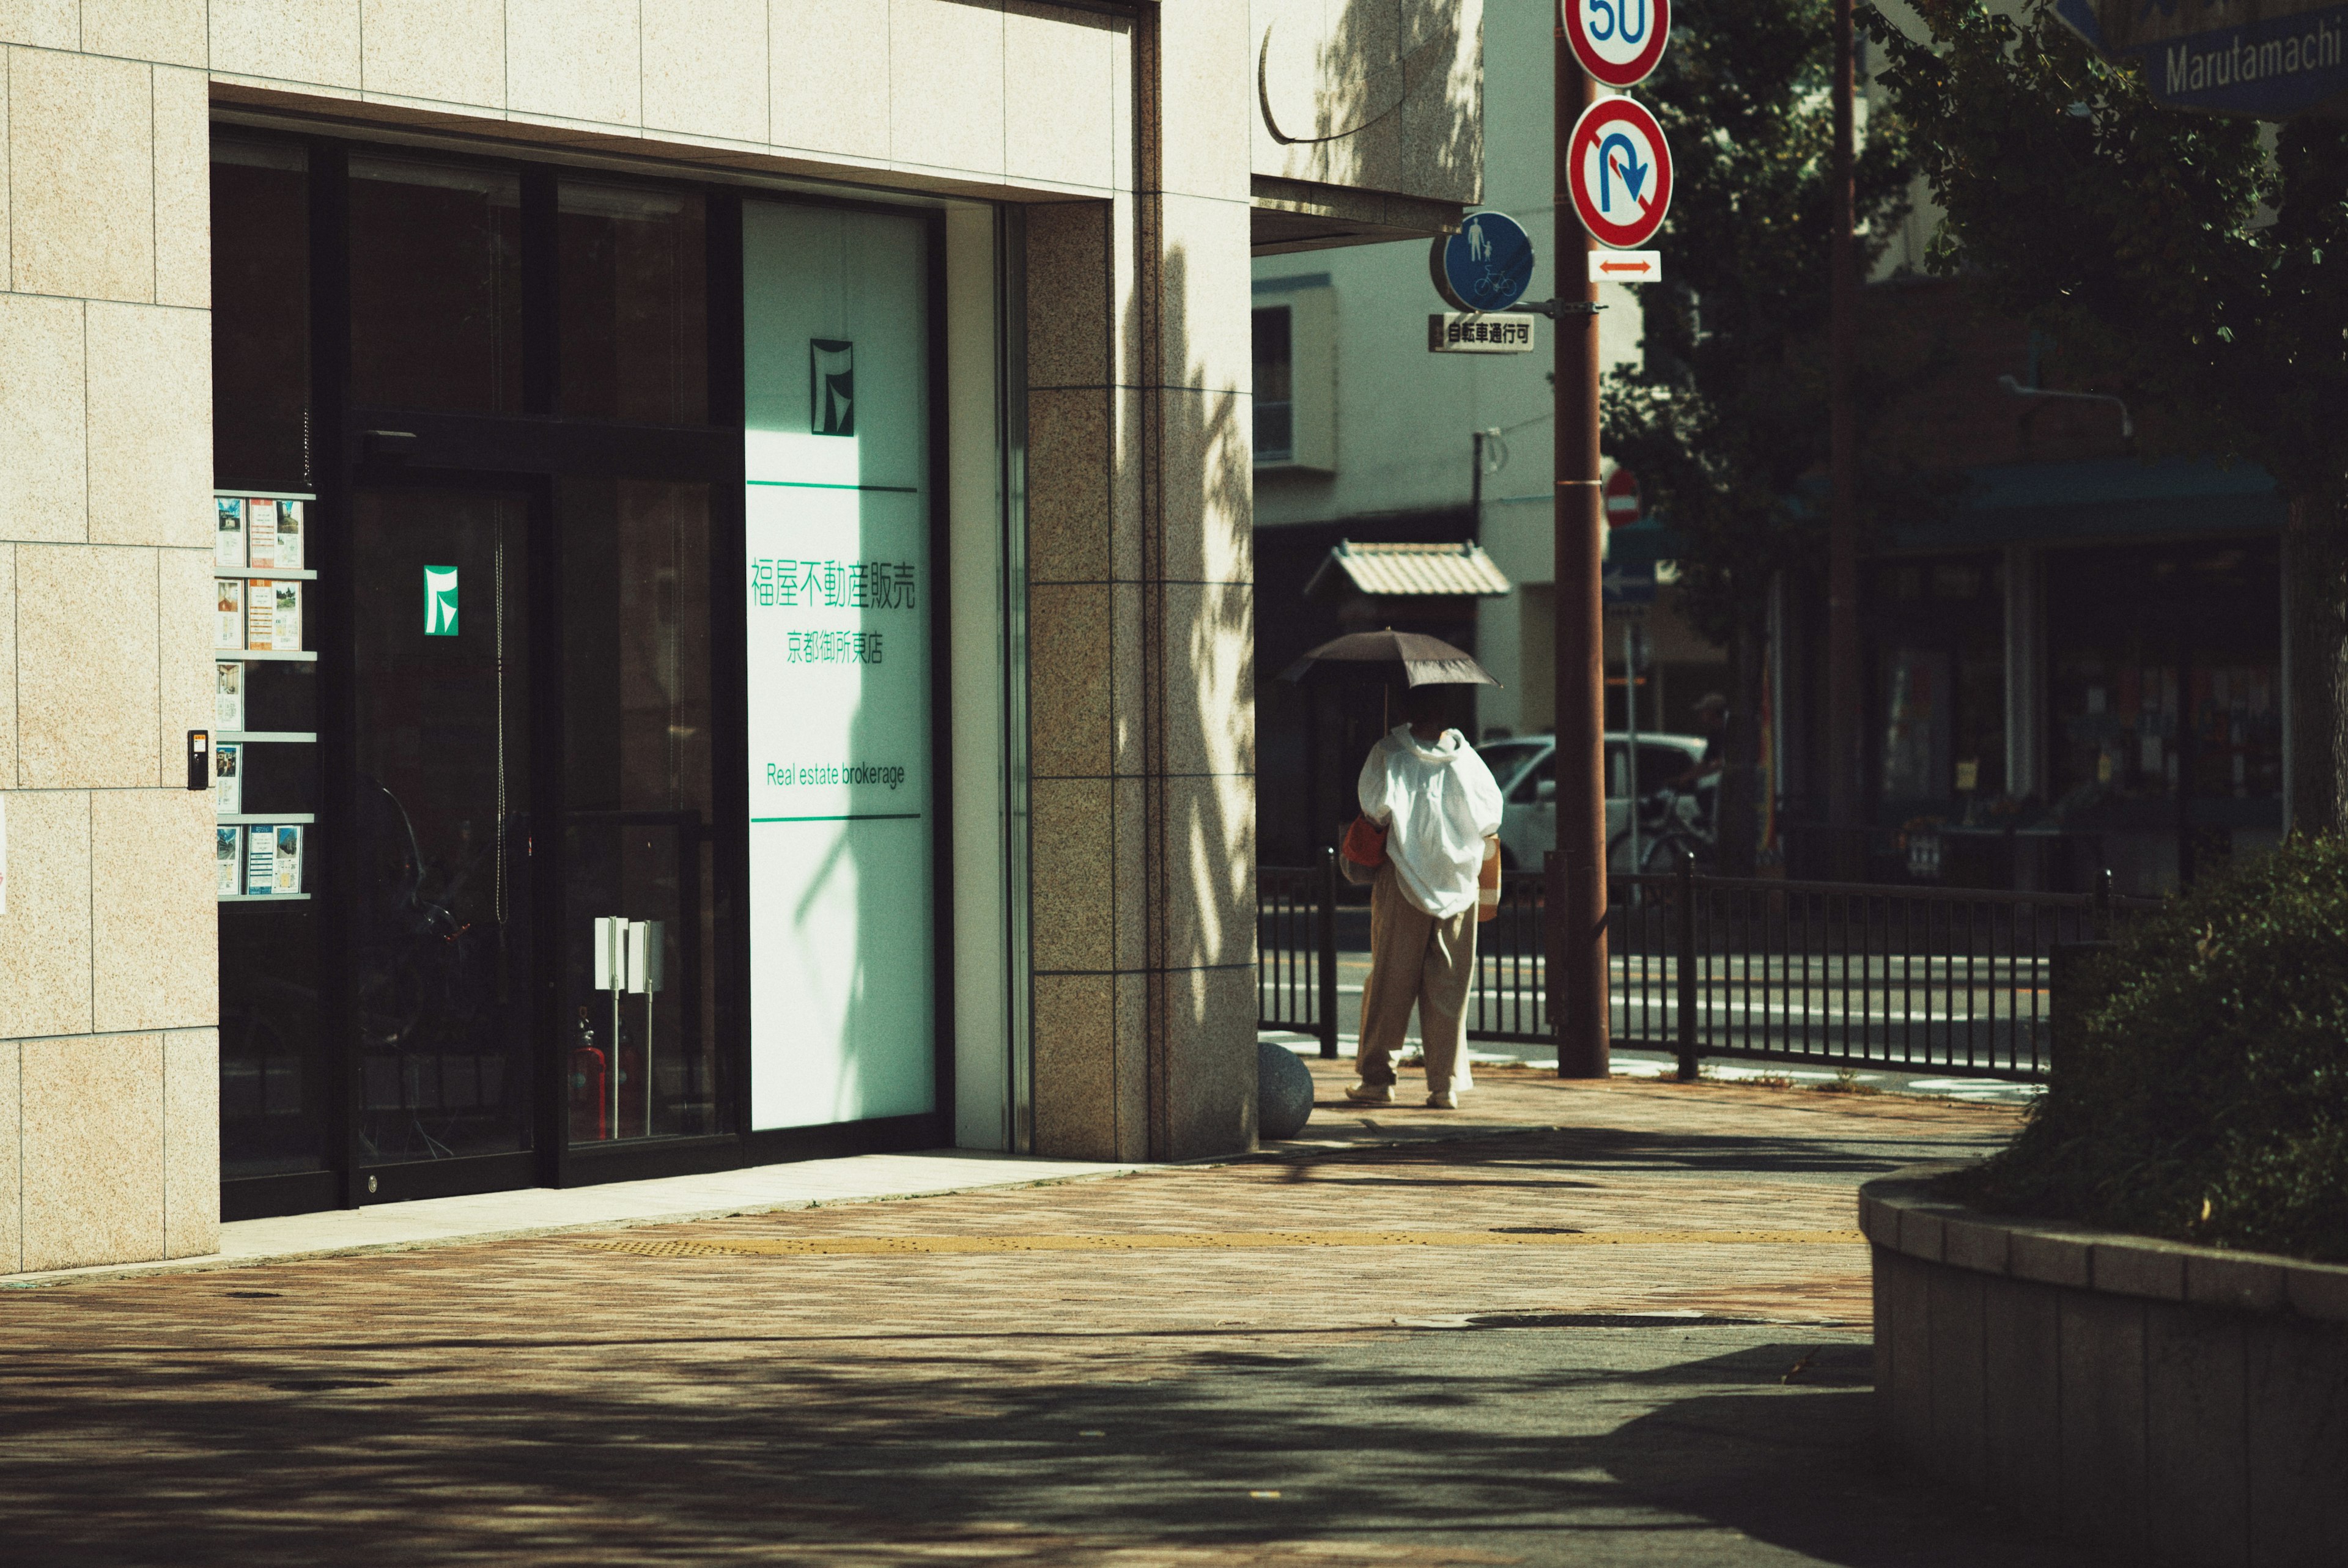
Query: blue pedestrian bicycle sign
{"points": [[1486, 266]]}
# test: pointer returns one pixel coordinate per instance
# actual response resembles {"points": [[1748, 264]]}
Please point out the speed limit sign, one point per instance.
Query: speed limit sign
{"points": [[1618, 42]]}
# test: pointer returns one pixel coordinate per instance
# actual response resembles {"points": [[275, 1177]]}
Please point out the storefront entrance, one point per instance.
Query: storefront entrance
{"points": [[610, 725]]}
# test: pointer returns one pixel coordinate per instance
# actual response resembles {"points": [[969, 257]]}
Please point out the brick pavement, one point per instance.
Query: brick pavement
{"points": [[553, 1400]]}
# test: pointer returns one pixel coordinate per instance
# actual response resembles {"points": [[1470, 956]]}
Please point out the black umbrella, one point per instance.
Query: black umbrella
{"points": [[1425, 661]]}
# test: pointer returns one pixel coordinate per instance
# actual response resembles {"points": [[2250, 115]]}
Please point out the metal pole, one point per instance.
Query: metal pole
{"points": [[1475, 485], [1631, 730], [1686, 975], [1842, 534], [1578, 979], [1328, 954]]}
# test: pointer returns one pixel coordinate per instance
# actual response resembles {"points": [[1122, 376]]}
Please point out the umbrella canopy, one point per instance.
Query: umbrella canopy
{"points": [[1425, 661]]}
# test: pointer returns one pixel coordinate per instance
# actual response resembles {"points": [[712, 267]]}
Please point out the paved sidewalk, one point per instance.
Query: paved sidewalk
{"points": [[539, 1211], [1608, 1324]]}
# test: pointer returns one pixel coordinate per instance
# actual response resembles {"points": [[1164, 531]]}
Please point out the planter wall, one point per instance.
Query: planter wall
{"points": [[2167, 1403]]}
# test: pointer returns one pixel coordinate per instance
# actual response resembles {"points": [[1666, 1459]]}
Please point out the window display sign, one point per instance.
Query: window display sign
{"points": [[839, 598]]}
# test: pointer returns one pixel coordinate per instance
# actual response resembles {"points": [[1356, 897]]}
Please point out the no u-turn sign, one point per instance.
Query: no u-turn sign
{"points": [[1619, 171]]}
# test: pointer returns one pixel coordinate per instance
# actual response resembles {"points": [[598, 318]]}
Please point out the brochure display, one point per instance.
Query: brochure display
{"points": [[838, 639], [258, 583]]}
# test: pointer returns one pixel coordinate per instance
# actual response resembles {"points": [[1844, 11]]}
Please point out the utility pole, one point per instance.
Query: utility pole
{"points": [[1842, 435], [1579, 990], [1475, 485]]}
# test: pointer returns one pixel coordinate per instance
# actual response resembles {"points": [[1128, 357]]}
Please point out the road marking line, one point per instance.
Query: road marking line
{"points": [[1210, 1241]]}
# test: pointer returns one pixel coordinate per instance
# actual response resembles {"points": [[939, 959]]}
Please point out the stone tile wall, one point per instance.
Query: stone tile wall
{"points": [[2157, 1402], [1142, 605], [109, 1063]]}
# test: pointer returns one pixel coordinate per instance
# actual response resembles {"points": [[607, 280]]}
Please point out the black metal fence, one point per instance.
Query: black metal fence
{"points": [[1296, 949], [1910, 979]]}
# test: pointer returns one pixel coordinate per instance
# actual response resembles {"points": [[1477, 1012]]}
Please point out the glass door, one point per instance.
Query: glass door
{"points": [[639, 929], [441, 980]]}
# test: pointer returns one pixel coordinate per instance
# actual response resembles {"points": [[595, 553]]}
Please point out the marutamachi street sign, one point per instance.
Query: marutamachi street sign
{"points": [[2266, 58], [1620, 172]]}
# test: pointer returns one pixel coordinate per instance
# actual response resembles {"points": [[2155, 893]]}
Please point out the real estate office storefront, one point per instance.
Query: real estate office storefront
{"points": [[704, 548]]}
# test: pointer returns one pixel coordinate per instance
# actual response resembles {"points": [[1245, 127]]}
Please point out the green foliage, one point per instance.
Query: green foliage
{"points": [[1728, 412], [2202, 1094], [2200, 265]]}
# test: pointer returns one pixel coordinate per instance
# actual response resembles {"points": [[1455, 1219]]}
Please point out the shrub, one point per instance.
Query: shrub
{"points": [[2200, 1091]]}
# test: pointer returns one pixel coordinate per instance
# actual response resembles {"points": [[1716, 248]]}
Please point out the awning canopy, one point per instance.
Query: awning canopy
{"points": [[1408, 571]]}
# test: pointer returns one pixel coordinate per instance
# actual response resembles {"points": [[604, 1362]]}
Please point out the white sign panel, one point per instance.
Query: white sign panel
{"points": [[1626, 266], [1479, 332], [837, 612]]}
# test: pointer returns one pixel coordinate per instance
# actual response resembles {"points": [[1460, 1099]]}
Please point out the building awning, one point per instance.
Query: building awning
{"points": [[1409, 571], [2107, 498]]}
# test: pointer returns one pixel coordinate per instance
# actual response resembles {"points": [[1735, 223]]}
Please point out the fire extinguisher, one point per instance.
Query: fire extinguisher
{"points": [[587, 1081]]}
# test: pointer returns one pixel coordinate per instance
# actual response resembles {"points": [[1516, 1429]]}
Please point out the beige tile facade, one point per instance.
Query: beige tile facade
{"points": [[1133, 146]]}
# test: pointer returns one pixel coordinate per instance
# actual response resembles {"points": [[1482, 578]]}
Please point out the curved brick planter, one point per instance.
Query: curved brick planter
{"points": [[2168, 1403]]}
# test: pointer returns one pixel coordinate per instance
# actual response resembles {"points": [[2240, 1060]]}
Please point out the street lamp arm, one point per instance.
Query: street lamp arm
{"points": [[2127, 425]]}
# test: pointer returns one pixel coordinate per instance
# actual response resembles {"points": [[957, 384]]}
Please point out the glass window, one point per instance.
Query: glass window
{"points": [[261, 314], [2166, 673], [636, 779], [435, 286], [1505, 757], [1275, 412], [634, 298], [1939, 680]]}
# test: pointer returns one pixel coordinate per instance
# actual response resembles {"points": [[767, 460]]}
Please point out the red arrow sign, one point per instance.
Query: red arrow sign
{"points": [[1625, 267]]}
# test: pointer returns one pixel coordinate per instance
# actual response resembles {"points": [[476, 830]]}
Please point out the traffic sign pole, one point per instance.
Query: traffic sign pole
{"points": [[1579, 976]]}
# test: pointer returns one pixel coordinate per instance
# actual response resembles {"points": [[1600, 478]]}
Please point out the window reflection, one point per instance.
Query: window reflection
{"points": [[435, 286], [638, 848], [634, 298], [261, 314]]}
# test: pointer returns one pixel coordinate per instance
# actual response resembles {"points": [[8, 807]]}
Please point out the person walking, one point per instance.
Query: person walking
{"points": [[1440, 808]]}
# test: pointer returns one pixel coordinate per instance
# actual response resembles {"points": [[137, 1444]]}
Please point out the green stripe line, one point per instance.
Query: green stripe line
{"points": [[851, 816], [810, 485]]}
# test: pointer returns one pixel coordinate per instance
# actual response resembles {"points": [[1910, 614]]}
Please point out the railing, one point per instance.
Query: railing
{"points": [[1911, 979], [1296, 949], [1932, 980]]}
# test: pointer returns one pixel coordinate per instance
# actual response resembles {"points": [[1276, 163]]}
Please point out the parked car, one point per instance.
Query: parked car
{"points": [[1526, 769]]}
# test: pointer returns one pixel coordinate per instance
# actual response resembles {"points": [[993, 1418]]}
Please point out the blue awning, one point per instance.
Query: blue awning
{"points": [[2106, 498]]}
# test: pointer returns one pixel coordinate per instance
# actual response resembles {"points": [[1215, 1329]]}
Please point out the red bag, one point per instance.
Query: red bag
{"points": [[1366, 843]]}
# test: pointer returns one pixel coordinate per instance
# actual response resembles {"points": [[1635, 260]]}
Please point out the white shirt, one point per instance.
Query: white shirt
{"points": [[1438, 803]]}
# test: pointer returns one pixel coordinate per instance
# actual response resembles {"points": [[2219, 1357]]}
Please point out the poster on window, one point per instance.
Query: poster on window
{"points": [[837, 612]]}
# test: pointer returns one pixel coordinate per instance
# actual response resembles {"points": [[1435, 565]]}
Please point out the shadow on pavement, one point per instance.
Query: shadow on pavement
{"points": [[1588, 1446]]}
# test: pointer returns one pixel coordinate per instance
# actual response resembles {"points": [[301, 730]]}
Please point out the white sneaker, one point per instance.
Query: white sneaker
{"points": [[1368, 1093], [1443, 1100]]}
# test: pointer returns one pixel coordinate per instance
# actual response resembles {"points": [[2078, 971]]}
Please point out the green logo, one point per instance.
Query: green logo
{"points": [[439, 602]]}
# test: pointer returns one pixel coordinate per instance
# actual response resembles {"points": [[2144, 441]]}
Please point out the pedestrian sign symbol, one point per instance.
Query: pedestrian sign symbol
{"points": [[1486, 266], [1619, 172], [439, 602]]}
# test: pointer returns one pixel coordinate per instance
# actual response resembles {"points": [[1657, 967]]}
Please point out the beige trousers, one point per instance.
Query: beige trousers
{"points": [[1416, 960]]}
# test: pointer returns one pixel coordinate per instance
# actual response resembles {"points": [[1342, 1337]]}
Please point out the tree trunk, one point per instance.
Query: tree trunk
{"points": [[2315, 644], [1740, 780]]}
